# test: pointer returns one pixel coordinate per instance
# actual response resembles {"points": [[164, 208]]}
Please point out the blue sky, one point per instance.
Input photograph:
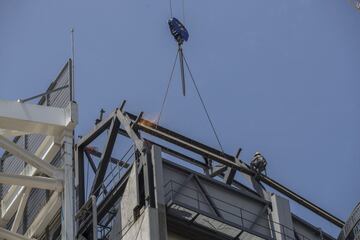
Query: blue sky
{"points": [[279, 77]]}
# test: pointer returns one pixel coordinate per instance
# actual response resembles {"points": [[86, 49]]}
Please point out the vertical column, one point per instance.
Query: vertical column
{"points": [[68, 213], [159, 191], [281, 217]]}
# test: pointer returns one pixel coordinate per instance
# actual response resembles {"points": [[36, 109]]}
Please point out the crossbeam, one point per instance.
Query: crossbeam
{"points": [[18, 117], [33, 182], [6, 234], [98, 154]]}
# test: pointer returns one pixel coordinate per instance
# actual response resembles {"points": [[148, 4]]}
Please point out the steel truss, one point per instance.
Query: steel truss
{"points": [[58, 123], [216, 164], [50, 123]]}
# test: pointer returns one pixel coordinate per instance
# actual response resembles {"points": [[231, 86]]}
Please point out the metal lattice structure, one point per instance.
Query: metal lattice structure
{"points": [[185, 187], [163, 186], [37, 138]]}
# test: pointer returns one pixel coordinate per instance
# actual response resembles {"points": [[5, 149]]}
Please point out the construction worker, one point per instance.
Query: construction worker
{"points": [[258, 163]]}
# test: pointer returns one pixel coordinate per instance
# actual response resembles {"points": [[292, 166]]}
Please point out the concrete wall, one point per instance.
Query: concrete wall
{"points": [[126, 226]]}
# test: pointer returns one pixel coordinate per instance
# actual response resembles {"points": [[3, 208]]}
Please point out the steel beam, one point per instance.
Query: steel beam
{"points": [[169, 151], [91, 161], [20, 212], [126, 123], [32, 118], [302, 201], [206, 196], [94, 217], [80, 176], [47, 151], [30, 158], [231, 172], [148, 178], [112, 159], [227, 160], [99, 129], [32, 182], [9, 235], [218, 170], [258, 217], [46, 214], [101, 171], [68, 203]]}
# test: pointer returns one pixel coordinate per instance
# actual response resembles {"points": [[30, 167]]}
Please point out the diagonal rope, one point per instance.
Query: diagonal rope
{"points": [[167, 88], [203, 104]]}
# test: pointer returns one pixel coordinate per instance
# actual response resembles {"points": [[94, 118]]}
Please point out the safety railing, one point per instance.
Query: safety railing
{"points": [[222, 216], [116, 173], [113, 176]]}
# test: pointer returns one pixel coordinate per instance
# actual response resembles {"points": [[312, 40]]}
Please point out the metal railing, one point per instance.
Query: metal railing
{"points": [[231, 215], [111, 179]]}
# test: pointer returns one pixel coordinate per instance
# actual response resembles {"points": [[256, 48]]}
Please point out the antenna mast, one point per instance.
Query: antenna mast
{"points": [[72, 85]]}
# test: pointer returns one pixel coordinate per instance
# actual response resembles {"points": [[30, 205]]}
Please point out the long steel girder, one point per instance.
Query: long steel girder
{"points": [[228, 160], [130, 122]]}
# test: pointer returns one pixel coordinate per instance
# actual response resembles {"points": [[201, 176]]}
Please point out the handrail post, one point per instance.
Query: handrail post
{"points": [[94, 216]]}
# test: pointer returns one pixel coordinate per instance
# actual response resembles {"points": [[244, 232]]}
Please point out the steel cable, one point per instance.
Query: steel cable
{"points": [[203, 104], [167, 89]]}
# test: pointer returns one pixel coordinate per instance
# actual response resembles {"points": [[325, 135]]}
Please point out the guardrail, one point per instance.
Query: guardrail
{"points": [[230, 217]]}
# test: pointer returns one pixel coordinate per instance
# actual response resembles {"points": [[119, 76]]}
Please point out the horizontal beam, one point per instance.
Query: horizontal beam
{"points": [[189, 144], [98, 154], [28, 118], [228, 160], [30, 158], [6, 234], [170, 151], [302, 201], [32, 182]]}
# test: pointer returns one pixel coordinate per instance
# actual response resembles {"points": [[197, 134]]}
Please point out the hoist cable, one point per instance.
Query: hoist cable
{"points": [[203, 104], [171, 10], [167, 88], [183, 11]]}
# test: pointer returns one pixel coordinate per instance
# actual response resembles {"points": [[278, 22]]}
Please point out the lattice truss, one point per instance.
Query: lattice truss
{"points": [[36, 174]]}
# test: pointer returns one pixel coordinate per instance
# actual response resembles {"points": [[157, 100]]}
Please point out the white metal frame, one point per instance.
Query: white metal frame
{"points": [[57, 124]]}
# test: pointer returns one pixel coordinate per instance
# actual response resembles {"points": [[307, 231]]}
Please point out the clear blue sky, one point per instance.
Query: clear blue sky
{"points": [[280, 77]]}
